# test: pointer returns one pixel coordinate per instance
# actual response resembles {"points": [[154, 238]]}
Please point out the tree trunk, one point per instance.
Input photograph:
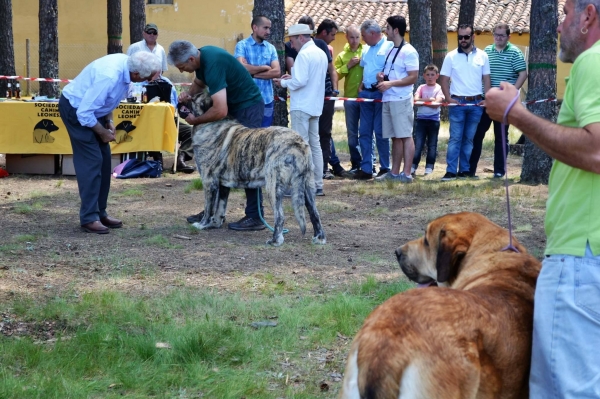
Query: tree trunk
{"points": [[467, 12], [7, 51], [275, 11], [137, 20], [439, 39], [420, 33], [114, 27], [542, 83], [439, 32], [48, 17]]}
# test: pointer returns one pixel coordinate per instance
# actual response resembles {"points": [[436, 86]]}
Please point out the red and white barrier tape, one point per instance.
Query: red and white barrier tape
{"points": [[419, 103], [366, 100], [60, 80]]}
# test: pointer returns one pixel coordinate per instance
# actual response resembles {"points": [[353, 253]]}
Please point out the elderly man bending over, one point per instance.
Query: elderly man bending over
{"points": [[86, 107]]}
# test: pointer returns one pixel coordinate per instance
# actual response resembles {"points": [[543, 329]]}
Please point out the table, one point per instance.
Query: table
{"points": [[36, 128]]}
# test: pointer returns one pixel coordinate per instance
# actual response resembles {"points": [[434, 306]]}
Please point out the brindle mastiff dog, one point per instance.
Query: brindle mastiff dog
{"points": [[229, 155], [468, 338]]}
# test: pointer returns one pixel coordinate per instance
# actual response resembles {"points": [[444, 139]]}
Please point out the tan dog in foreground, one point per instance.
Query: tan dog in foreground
{"points": [[468, 338]]}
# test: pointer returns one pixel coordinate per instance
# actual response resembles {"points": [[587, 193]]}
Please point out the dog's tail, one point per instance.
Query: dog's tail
{"points": [[300, 187]]}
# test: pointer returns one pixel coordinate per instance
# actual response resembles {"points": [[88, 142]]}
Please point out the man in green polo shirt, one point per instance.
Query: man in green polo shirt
{"points": [[507, 64], [566, 328], [347, 66], [233, 93]]}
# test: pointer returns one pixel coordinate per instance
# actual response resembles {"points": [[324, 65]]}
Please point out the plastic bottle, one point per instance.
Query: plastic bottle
{"points": [[9, 90], [18, 90], [144, 95]]}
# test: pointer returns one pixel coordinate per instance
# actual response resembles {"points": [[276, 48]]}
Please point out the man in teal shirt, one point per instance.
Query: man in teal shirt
{"points": [[347, 66], [233, 93], [566, 330]]}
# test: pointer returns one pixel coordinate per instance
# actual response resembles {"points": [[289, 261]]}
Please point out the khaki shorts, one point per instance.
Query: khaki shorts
{"points": [[397, 119]]}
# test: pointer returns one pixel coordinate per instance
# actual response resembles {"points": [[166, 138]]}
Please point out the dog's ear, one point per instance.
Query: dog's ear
{"points": [[452, 248]]}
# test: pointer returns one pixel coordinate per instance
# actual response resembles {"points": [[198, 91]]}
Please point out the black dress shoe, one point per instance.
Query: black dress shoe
{"points": [[382, 172], [94, 227], [195, 218], [360, 175], [111, 223], [182, 166], [247, 224]]}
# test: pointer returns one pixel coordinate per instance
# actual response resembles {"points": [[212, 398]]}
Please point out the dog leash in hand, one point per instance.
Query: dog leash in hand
{"points": [[503, 129]]}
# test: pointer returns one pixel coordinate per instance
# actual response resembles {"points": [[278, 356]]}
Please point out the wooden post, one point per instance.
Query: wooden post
{"points": [[27, 63]]}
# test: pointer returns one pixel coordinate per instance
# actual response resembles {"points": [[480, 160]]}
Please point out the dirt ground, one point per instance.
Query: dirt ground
{"points": [[43, 251]]}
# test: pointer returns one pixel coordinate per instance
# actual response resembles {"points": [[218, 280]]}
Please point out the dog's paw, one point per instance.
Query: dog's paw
{"points": [[320, 240], [204, 226], [276, 242]]}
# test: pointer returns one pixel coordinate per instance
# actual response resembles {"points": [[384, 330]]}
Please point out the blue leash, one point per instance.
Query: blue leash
{"points": [[285, 231]]}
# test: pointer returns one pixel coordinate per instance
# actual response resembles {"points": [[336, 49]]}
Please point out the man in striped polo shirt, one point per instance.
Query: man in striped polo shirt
{"points": [[507, 64]]}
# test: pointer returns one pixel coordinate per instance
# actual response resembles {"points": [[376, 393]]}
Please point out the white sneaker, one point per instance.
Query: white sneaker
{"points": [[428, 171]]}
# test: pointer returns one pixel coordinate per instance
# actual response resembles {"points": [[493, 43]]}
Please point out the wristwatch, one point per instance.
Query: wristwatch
{"points": [[336, 92]]}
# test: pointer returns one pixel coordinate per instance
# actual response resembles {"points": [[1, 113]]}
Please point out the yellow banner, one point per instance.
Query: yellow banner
{"points": [[36, 128]]}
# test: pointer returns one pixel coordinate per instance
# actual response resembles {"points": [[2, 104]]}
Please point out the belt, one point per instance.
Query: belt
{"points": [[468, 98], [369, 89]]}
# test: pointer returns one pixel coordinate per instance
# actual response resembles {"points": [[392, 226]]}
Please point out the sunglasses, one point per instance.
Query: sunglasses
{"points": [[152, 32], [464, 37]]}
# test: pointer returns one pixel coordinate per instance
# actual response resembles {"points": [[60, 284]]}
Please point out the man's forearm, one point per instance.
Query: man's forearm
{"points": [[270, 74], [521, 79]]}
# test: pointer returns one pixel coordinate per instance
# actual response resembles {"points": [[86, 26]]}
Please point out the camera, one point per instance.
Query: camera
{"points": [[374, 86], [386, 78]]}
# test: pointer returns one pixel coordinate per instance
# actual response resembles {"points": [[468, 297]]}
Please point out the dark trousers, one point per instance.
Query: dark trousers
{"points": [[251, 116], [325, 126], [426, 129], [91, 159], [482, 128], [185, 141]]}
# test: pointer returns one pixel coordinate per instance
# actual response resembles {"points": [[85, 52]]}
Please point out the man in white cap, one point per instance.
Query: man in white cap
{"points": [[307, 90]]}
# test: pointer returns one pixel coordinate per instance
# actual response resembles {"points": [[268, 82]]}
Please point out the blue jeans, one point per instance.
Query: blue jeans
{"points": [[333, 160], [370, 120], [463, 124], [426, 129], [352, 112], [267, 120], [482, 128], [566, 328]]}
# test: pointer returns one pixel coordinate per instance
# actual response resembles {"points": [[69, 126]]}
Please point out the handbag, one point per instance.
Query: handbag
{"points": [[138, 168], [159, 88]]}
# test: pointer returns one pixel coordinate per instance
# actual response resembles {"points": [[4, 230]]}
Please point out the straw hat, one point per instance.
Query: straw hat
{"points": [[299, 29]]}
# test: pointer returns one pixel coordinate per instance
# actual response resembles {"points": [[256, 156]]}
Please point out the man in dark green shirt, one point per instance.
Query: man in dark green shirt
{"points": [[233, 93]]}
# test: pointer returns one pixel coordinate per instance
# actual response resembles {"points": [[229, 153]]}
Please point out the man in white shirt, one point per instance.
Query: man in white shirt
{"points": [[150, 45], [396, 81], [86, 107], [306, 85], [466, 67]]}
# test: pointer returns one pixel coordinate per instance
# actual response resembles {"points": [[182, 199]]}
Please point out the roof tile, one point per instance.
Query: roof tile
{"points": [[348, 12]]}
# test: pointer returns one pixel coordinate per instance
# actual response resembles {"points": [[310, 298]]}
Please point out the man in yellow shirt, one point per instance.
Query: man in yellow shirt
{"points": [[347, 66], [566, 322]]}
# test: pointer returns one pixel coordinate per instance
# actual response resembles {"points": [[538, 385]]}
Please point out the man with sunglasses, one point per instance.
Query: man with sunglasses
{"points": [[507, 64], [462, 74], [150, 45]]}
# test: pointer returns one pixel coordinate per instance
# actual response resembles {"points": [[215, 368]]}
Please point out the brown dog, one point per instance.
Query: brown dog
{"points": [[468, 338]]}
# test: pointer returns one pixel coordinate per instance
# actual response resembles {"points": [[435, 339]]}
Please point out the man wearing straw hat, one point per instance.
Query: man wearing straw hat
{"points": [[307, 90]]}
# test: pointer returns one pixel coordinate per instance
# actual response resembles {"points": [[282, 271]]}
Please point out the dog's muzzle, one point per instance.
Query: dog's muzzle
{"points": [[183, 110]]}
